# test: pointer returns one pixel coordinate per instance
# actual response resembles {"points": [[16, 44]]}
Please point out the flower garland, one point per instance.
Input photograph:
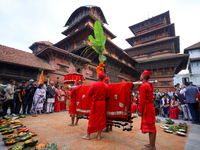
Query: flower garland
{"points": [[100, 67]]}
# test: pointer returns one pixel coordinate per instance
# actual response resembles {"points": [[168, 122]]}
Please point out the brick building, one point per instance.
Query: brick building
{"points": [[65, 56], [155, 47]]}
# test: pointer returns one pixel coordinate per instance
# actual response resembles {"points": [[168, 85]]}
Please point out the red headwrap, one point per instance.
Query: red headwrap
{"points": [[147, 73], [107, 79], [101, 75], [76, 81]]}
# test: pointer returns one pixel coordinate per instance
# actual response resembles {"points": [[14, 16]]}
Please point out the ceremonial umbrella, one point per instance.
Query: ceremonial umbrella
{"points": [[73, 77]]}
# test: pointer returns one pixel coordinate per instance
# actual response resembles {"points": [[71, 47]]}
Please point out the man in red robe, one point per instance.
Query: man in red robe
{"points": [[72, 107], [97, 119], [109, 125], [147, 110]]}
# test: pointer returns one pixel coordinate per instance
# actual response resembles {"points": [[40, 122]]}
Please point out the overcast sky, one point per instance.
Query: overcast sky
{"points": [[23, 22]]}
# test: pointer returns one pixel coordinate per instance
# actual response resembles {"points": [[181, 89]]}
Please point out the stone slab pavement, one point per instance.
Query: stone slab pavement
{"points": [[193, 141], [54, 128]]}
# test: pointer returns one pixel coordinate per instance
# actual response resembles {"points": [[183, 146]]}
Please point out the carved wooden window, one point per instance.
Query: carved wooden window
{"points": [[62, 68], [184, 80], [94, 74], [165, 83], [79, 70]]}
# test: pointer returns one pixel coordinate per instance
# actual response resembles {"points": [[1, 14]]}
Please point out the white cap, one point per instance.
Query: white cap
{"points": [[31, 80]]}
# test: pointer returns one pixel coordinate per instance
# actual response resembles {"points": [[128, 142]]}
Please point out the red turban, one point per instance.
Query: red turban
{"points": [[76, 81], [107, 79], [101, 75], [147, 73]]}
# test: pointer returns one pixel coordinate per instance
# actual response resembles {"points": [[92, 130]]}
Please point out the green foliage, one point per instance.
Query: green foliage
{"points": [[64, 148], [41, 69], [98, 44], [52, 146], [169, 121], [158, 120]]}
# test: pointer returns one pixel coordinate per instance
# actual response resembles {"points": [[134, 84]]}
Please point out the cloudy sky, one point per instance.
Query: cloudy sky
{"points": [[23, 22]]}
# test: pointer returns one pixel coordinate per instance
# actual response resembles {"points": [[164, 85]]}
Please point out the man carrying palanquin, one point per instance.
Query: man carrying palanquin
{"points": [[97, 118], [147, 110]]}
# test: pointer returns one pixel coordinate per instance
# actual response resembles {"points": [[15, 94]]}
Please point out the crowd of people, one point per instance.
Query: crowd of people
{"points": [[29, 98], [183, 101]]}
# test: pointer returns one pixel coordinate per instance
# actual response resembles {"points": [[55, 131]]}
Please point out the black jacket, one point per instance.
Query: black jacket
{"points": [[50, 92]]}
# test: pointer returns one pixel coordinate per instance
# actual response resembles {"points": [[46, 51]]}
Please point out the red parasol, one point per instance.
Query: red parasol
{"points": [[71, 77]]}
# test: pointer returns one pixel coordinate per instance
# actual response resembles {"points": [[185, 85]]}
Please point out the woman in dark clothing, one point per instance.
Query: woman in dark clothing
{"points": [[157, 103]]}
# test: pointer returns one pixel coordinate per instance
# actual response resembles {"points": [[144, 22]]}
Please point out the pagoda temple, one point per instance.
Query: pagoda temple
{"points": [[68, 54], [155, 47]]}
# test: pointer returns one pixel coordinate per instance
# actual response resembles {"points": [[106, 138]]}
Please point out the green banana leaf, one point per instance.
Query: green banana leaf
{"points": [[99, 41]]}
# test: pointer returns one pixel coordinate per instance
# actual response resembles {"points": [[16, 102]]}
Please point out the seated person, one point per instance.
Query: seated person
{"points": [[165, 105], [174, 107], [134, 105], [157, 103]]}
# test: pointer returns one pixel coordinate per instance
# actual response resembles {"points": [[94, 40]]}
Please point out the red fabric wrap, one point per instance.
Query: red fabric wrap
{"points": [[62, 106], [113, 109], [98, 91], [57, 101], [133, 108], [119, 94], [173, 112], [72, 108], [146, 107], [101, 75], [97, 120]]}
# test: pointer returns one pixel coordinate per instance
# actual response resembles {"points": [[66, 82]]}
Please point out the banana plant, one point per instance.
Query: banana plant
{"points": [[98, 43]]}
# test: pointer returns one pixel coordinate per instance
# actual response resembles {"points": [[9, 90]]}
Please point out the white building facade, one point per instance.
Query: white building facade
{"points": [[193, 66]]}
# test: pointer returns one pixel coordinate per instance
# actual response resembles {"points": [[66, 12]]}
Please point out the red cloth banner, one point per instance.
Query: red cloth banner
{"points": [[118, 105], [71, 77]]}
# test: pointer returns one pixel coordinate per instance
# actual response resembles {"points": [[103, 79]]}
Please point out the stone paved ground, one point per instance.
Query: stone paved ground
{"points": [[54, 128]]}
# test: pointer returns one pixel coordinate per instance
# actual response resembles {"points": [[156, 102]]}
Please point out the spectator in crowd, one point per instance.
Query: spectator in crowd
{"points": [[62, 99], [134, 103], [191, 83], [177, 86], [184, 105], [198, 96], [38, 99], [51, 94], [157, 99], [57, 100], [167, 91], [2, 113], [3, 91], [30, 90], [67, 91], [174, 107], [157, 92], [20, 99], [45, 102], [190, 94], [45, 85], [165, 105], [15, 96], [9, 97]]}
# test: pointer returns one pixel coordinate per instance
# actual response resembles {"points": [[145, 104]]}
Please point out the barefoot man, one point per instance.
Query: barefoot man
{"points": [[72, 107], [97, 119], [147, 110], [109, 125]]}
